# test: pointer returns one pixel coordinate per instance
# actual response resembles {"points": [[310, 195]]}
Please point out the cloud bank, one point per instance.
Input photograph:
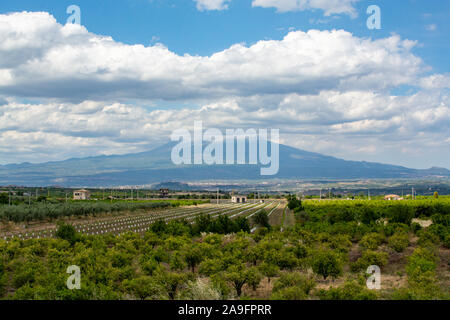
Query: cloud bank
{"points": [[328, 91]]}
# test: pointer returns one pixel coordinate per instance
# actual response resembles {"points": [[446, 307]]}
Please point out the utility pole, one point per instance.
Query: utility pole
{"points": [[217, 195], [320, 197], [111, 196], [368, 193], [9, 197]]}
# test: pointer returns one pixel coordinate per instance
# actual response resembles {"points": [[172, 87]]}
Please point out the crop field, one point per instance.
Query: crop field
{"points": [[280, 249], [141, 222], [48, 211]]}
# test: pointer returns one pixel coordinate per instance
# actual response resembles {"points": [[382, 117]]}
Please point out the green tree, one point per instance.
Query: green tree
{"points": [[294, 279], [254, 278], [269, 270], [261, 219], [193, 256], [66, 232], [171, 281], [237, 275], [143, 287], [294, 203], [326, 263], [4, 199]]}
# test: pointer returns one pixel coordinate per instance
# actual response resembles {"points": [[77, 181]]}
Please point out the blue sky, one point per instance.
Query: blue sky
{"points": [[412, 97]]}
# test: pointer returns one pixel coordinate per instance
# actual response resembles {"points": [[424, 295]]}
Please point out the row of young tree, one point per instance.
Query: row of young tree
{"points": [[49, 211]]}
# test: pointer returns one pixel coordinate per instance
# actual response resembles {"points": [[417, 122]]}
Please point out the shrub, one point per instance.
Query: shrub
{"points": [[399, 242], [294, 279], [369, 258], [440, 230], [422, 281], [66, 232], [427, 238], [443, 219], [392, 228], [371, 241], [143, 287], [351, 290], [201, 289], [422, 260]]}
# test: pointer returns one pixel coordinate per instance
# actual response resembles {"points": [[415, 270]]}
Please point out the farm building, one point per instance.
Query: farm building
{"points": [[238, 199], [392, 197], [164, 193], [81, 194]]}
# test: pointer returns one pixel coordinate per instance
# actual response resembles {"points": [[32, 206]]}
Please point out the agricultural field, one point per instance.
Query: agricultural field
{"points": [[283, 250], [87, 218]]}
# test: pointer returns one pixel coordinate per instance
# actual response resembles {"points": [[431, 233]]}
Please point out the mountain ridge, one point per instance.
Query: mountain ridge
{"points": [[155, 165]]}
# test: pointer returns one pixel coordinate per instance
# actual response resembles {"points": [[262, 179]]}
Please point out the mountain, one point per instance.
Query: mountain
{"points": [[156, 166]]}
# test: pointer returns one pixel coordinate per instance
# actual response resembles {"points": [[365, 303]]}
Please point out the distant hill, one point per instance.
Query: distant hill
{"points": [[155, 166]]}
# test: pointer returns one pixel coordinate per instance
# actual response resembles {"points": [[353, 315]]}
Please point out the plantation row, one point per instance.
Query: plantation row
{"points": [[43, 211], [366, 211], [140, 223], [180, 260]]}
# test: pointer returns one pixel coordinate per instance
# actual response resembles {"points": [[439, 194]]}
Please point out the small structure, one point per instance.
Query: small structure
{"points": [[392, 197], [164, 193], [81, 194], [238, 199]]}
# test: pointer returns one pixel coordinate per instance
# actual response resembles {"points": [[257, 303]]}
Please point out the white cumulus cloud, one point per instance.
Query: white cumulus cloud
{"points": [[73, 64]]}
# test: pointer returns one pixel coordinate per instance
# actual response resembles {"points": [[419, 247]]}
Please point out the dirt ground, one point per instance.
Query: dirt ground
{"points": [[276, 217]]}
